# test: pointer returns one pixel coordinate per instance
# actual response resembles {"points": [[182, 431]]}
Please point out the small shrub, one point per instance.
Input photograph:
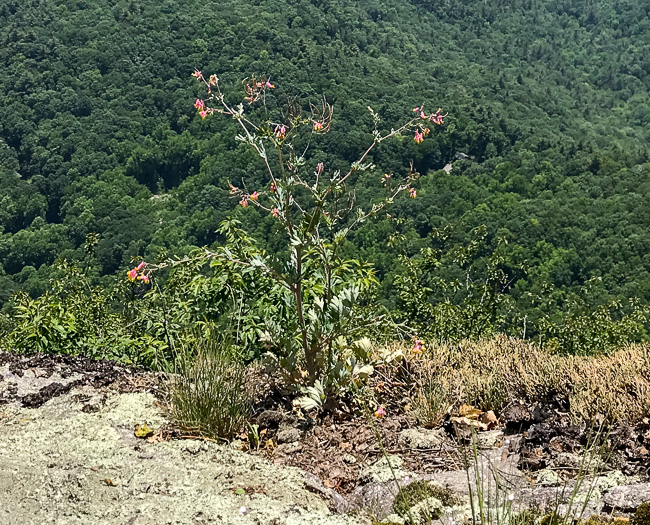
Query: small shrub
{"points": [[73, 318], [551, 519], [487, 392], [314, 309], [208, 394], [591, 331], [596, 520]]}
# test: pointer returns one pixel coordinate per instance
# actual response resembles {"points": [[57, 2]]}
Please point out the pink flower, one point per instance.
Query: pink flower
{"points": [[275, 212], [418, 346], [213, 80], [197, 74], [280, 131], [203, 114], [318, 126], [254, 196], [418, 137], [421, 108], [413, 193], [269, 85], [199, 104], [380, 412], [244, 201], [319, 168], [423, 114], [426, 132], [437, 117], [272, 189], [135, 274]]}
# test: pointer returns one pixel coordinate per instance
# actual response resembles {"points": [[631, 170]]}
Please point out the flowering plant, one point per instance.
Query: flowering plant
{"points": [[317, 289], [316, 210]]}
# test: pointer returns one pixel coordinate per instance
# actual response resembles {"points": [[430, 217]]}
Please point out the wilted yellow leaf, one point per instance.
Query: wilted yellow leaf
{"points": [[143, 431], [469, 412]]}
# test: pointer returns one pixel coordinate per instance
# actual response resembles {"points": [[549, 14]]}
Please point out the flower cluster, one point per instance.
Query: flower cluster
{"points": [[255, 88], [200, 106], [436, 118], [418, 346], [138, 273], [380, 412], [386, 178], [202, 109], [280, 131]]}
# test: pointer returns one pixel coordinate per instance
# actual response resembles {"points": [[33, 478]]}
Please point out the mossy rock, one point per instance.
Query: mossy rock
{"points": [[419, 491], [595, 520], [526, 517], [551, 519], [642, 515]]}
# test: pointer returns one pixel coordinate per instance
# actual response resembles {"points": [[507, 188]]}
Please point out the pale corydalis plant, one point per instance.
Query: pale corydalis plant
{"points": [[316, 208]]}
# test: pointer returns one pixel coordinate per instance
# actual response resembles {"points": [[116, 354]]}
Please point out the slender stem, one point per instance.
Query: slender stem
{"points": [[297, 290]]}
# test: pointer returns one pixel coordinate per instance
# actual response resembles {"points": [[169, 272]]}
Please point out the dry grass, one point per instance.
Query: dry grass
{"points": [[490, 374]]}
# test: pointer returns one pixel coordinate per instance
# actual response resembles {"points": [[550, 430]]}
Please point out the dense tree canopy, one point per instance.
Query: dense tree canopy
{"points": [[547, 134]]}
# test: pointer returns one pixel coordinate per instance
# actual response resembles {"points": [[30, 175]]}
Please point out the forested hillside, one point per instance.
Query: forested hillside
{"points": [[547, 134]]}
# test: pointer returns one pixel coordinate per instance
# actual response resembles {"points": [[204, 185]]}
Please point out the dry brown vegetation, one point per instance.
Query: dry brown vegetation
{"points": [[493, 373]]}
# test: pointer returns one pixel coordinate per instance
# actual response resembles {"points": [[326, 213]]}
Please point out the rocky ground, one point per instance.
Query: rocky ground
{"points": [[69, 454], [87, 441]]}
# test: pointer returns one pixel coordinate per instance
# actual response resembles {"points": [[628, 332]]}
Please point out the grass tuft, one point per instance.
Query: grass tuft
{"points": [[208, 394]]}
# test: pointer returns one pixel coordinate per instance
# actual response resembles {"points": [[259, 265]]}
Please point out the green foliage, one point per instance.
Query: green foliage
{"points": [[600, 330], [454, 294], [208, 391], [73, 318], [546, 145]]}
